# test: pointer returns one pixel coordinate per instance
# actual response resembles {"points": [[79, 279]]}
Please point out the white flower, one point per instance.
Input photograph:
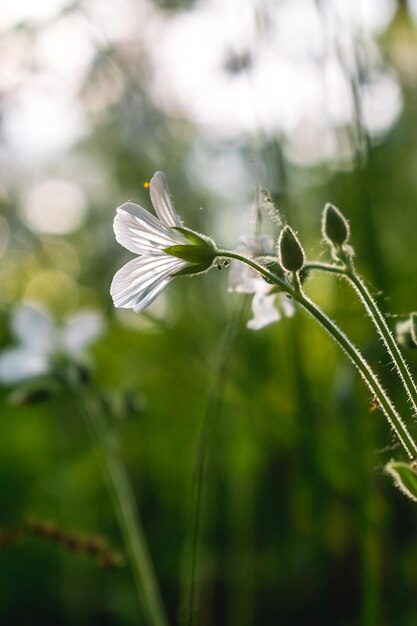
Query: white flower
{"points": [[40, 341], [166, 249], [244, 279]]}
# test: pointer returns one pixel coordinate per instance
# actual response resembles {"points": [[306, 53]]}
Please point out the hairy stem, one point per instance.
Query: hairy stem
{"points": [[380, 323], [391, 345], [367, 374], [269, 276]]}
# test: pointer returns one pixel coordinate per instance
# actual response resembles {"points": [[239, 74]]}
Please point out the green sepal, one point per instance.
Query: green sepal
{"points": [[192, 254], [404, 476], [195, 238], [200, 252], [272, 265], [192, 269]]}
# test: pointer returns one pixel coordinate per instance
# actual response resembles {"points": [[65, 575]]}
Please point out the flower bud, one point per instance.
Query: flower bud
{"points": [[335, 227], [290, 251]]}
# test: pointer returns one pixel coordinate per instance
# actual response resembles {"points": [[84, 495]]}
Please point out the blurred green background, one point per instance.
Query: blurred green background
{"points": [[315, 101]]}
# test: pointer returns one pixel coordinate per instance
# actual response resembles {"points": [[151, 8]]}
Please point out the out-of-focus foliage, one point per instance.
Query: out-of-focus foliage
{"points": [[300, 523]]}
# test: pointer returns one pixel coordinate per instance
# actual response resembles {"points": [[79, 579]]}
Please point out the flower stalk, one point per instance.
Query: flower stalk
{"points": [[380, 323], [336, 232], [391, 345], [367, 374]]}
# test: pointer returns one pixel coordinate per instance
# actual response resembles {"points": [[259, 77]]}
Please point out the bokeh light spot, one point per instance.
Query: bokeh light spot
{"points": [[57, 290], [56, 207]]}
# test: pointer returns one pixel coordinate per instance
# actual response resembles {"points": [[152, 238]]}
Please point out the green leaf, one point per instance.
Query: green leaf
{"points": [[404, 476]]}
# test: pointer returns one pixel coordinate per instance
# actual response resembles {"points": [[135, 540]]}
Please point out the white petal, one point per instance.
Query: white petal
{"points": [[263, 308], [34, 328], [243, 278], [138, 282], [18, 364], [287, 305], [150, 295], [141, 232], [161, 200], [80, 330]]}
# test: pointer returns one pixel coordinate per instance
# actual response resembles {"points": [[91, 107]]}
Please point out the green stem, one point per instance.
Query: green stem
{"points": [[391, 345], [260, 269], [124, 503], [368, 375], [380, 324], [326, 267]]}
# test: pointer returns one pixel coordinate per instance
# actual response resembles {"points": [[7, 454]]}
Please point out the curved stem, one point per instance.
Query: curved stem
{"points": [[326, 267], [270, 276], [380, 324], [367, 374], [391, 345]]}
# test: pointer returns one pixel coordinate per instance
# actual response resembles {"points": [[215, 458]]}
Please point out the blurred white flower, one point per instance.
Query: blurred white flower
{"points": [[40, 342], [244, 279], [166, 249]]}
